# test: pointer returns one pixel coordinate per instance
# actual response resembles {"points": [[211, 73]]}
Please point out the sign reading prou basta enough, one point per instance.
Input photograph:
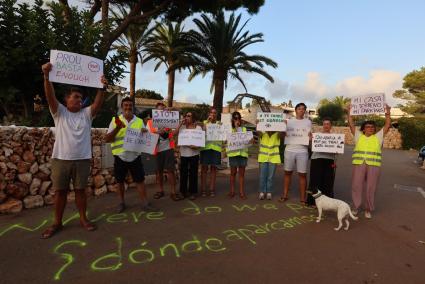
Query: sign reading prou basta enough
{"points": [[75, 69]]}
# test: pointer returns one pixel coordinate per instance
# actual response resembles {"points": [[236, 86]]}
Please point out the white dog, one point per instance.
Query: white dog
{"points": [[326, 203]]}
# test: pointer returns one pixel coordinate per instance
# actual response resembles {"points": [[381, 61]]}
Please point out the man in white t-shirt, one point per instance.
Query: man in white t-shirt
{"points": [[296, 155], [72, 149]]}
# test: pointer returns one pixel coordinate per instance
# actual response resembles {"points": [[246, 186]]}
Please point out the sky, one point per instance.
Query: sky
{"points": [[323, 48]]}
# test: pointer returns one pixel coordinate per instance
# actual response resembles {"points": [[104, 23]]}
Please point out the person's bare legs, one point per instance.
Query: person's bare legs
{"points": [[303, 185], [213, 175], [120, 191], [81, 202], [172, 180], [233, 171], [140, 186], [60, 204], [241, 171], [204, 171], [161, 181], [287, 183]]}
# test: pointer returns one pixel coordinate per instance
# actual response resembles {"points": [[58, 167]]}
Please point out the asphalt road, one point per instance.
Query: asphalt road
{"points": [[218, 240]]}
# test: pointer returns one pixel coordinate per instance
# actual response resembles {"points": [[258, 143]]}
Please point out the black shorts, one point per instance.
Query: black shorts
{"points": [[135, 167]]}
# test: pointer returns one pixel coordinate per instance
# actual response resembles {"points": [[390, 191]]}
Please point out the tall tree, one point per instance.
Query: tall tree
{"points": [[413, 92], [131, 42], [218, 47], [168, 45]]}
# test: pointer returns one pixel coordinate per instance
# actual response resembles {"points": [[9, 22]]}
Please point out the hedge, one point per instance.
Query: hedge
{"points": [[412, 131]]}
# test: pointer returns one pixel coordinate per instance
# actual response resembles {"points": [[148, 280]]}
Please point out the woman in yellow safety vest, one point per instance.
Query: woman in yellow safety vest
{"points": [[367, 159], [268, 157], [238, 159]]}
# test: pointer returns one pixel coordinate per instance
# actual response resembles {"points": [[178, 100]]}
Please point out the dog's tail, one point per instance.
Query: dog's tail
{"points": [[352, 215]]}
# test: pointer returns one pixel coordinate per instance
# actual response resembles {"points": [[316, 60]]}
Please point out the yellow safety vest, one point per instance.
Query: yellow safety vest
{"points": [[367, 150], [240, 152], [118, 145], [269, 148], [212, 145]]}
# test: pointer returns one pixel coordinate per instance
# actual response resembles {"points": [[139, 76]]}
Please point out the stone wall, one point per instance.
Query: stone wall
{"points": [[25, 168], [391, 141]]}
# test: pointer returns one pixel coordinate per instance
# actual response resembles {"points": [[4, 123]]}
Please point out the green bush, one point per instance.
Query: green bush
{"points": [[412, 131]]}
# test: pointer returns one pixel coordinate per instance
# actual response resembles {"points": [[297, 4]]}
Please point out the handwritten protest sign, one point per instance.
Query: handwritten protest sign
{"points": [[192, 137], [239, 140], [141, 142], [165, 118], [328, 143], [226, 119], [271, 121], [297, 132], [75, 69], [368, 104], [216, 132]]}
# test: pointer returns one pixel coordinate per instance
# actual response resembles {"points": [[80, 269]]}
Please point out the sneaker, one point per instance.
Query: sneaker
{"points": [[261, 196], [150, 208], [121, 207], [269, 196], [367, 215]]}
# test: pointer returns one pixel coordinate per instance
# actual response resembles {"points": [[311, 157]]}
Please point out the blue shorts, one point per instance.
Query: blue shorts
{"points": [[238, 162], [210, 157]]}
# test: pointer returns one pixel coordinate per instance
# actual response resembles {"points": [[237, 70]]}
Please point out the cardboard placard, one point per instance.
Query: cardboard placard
{"points": [[216, 132], [239, 140], [297, 133], [368, 104], [271, 121], [328, 143], [192, 137], [165, 118], [140, 142], [75, 69]]}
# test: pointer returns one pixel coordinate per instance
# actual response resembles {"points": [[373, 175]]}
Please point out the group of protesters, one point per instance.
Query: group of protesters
{"points": [[72, 153]]}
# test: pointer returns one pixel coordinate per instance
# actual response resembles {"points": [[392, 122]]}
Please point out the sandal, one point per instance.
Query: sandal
{"points": [[303, 203], [50, 231], [176, 197], [212, 193], [283, 199], [159, 194], [242, 196], [89, 226], [192, 197], [231, 194], [203, 194]]}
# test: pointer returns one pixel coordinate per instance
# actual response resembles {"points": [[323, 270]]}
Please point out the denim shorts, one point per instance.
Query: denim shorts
{"points": [[210, 157], [238, 162]]}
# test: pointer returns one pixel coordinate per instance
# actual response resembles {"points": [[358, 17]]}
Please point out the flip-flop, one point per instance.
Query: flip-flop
{"points": [[89, 226], [204, 194], [175, 197], [50, 231], [242, 196], [159, 194], [231, 194], [283, 199], [212, 193]]}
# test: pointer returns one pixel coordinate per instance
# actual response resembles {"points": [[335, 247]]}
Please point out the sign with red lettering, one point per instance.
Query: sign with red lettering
{"points": [[75, 69], [368, 104]]}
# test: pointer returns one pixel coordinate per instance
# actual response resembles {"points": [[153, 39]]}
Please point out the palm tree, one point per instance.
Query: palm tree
{"points": [[131, 42], [168, 45], [341, 101], [218, 47]]}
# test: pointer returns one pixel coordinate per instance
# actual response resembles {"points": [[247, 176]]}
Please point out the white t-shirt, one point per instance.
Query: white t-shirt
{"points": [[127, 156], [303, 123], [72, 134], [379, 135], [186, 151]]}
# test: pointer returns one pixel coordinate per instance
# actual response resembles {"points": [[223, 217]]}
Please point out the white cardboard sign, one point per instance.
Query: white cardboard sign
{"points": [[216, 132], [296, 134], [328, 143], [75, 69], [165, 118], [239, 140], [271, 121], [192, 137], [140, 142], [368, 104]]}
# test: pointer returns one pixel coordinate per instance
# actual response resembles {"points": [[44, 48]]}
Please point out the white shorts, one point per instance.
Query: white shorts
{"points": [[300, 160]]}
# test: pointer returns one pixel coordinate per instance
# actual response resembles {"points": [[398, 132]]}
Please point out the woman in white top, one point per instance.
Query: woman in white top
{"points": [[189, 160]]}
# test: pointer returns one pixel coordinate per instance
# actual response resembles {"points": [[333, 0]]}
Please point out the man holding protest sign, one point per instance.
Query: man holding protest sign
{"points": [[210, 157], [72, 149], [165, 159], [298, 136], [124, 160], [367, 158]]}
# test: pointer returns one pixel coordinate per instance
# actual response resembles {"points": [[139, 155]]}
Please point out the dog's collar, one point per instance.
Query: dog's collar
{"points": [[317, 195]]}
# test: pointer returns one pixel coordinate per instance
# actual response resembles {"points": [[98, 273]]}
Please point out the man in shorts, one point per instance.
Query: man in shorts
{"points": [[127, 161], [165, 159], [72, 152], [296, 157], [210, 157]]}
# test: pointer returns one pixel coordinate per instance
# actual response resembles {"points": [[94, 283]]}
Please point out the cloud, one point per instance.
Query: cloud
{"points": [[314, 88]]}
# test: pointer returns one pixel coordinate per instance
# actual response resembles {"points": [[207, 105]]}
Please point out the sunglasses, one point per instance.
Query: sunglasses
{"points": [[188, 115], [236, 118]]}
